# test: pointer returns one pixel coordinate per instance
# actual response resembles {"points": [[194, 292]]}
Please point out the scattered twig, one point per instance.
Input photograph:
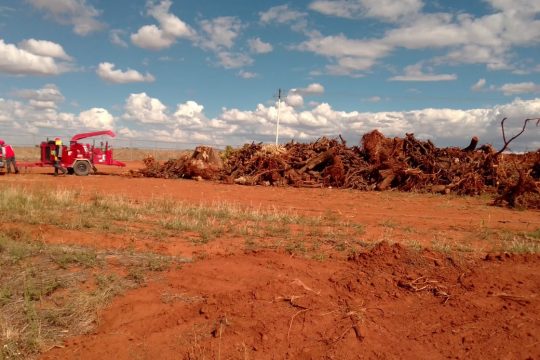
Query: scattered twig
{"points": [[423, 283], [292, 319], [300, 283], [291, 299], [519, 299]]}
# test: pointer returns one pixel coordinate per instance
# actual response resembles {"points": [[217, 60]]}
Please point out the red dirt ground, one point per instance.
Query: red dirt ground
{"points": [[390, 302]]}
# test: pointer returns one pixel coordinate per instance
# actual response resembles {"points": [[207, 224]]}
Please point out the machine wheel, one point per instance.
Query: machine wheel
{"points": [[81, 168]]}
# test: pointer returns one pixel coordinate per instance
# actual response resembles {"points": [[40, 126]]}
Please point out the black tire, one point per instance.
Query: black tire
{"points": [[81, 168], [70, 171]]}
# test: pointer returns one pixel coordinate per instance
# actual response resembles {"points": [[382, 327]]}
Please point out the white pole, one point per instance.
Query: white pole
{"points": [[277, 123]]}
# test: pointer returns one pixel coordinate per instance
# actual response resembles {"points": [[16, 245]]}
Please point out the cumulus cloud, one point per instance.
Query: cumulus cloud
{"points": [[37, 110], [312, 89], [77, 13], [467, 39], [19, 61], [232, 60], [171, 28], [107, 72], [447, 127], [281, 14], [147, 117], [520, 88], [190, 115], [258, 46], [48, 93], [415, 73], [44, 48], [145, 109], [219, 33], [386, 10], [349, 55], [96, 118], [294, 99], [219, 36]]}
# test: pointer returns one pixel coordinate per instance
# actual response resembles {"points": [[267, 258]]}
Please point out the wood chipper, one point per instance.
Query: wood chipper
{"points": [[79, 158]]}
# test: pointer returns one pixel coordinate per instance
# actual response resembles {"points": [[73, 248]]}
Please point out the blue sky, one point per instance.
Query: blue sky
{"points": [[208, 71]]}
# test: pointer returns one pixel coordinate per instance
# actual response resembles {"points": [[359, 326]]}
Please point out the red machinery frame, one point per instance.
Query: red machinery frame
{"points": [[79, 158]]}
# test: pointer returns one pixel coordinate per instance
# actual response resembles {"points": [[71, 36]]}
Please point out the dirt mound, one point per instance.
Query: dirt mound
{"points": [[386, 303]]}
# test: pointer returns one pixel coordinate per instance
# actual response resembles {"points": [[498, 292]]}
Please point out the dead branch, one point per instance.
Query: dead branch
{"points": [[424, 284], [506, 143]]}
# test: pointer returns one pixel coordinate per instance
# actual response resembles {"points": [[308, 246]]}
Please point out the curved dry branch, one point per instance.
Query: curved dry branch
{"points": [[506, 143]]}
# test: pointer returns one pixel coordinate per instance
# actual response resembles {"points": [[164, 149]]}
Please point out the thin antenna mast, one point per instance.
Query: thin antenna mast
{"points": [[278, 111]]}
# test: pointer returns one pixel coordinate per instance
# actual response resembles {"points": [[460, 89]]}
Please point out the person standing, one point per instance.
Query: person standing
{"points": [[9, 155], [56, 152]]}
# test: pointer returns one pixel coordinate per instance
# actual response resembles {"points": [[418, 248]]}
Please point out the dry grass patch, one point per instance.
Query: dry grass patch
{"points": [[50, 292], [161, 219]]}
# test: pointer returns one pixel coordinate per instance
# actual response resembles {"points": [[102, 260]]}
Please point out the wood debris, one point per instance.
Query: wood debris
{"points": [[379, 163]]}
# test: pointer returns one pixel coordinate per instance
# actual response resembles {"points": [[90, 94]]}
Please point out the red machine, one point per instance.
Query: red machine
{"points": [[79, 158]]}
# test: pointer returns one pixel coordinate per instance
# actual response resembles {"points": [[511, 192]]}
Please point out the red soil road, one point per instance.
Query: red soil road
{"points": [[269, 305]]}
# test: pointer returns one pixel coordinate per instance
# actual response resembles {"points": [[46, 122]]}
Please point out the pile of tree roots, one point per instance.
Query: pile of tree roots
{"points": [[379, 163]]}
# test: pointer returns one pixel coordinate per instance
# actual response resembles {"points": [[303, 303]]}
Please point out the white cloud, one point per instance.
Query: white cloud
{"points": [[294, 99], [147, 118], [16, 61], [96, 118], [415, 73], [144, 109], [387, 10], [247, 74], [115, 36], [190, 115], [351, 55], [258, 46], [281, 14], [479, 85], [107, 72], [38, 112], [48, 93], [447, 127], [78, 13], [520, 88], [312, 89], [219, 33], [467, 39], [230, 60], [340, 46], [528, 6], [44, 48], [170, 28], [151, 37]]}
